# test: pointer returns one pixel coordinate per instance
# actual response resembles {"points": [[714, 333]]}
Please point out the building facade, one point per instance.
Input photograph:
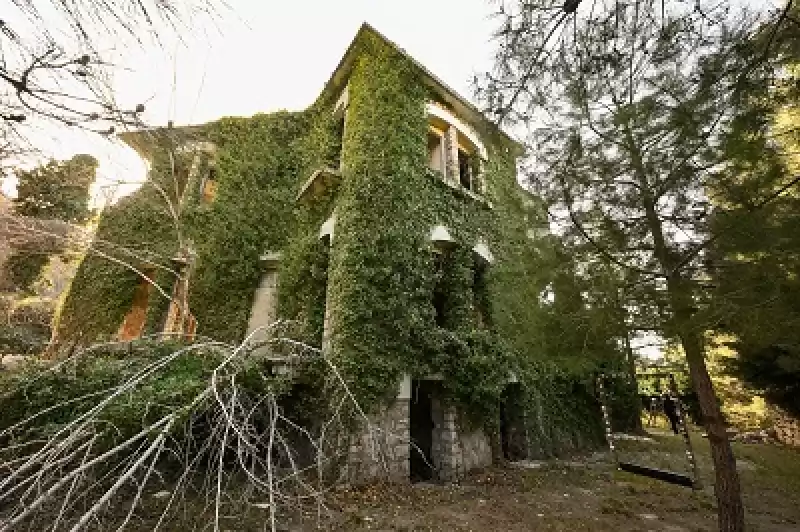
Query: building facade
{"points": [[386, 219]]}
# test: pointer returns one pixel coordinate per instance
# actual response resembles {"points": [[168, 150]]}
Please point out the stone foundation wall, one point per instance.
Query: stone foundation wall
{"points": [[458, 450], [382, 453]]}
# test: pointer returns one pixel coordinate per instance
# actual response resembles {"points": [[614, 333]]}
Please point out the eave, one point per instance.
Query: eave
{"points": [[460, 105]]}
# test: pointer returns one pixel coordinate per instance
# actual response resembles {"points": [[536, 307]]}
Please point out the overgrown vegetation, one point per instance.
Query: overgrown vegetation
{"points": [[93, 437], [657, 142], [380, 270], [56, 397]]}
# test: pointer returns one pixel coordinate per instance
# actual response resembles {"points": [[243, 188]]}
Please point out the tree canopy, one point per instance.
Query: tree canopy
{"points": [[640, 112], [57, 190], [54, 192]]}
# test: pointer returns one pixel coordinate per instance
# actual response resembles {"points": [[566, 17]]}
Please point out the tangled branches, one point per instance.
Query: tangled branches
{"points": [[184, 436]]}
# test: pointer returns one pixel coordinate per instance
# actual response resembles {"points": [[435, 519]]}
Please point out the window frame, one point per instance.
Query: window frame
{"points": [[457, 137]]}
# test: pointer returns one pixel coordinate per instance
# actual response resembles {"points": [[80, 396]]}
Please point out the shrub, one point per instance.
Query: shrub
{"points": [[168, 377]]}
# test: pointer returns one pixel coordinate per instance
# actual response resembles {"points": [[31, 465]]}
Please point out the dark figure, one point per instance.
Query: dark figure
{"points": [[653, 409], [671, 411]]}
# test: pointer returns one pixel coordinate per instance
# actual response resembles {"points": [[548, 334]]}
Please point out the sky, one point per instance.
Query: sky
{"points": [[258, 56]]}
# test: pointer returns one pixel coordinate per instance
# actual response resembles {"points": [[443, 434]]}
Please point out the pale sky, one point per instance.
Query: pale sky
{"points": [[262, 56]]}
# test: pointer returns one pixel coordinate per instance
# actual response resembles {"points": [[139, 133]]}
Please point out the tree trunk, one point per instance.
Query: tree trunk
{"points": [[727, 489], [631, 360], [730, 510], [726, 483]]}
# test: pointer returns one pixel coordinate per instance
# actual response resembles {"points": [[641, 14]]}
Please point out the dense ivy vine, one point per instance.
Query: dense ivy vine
{"points": [[139, 231], [380, 274]]}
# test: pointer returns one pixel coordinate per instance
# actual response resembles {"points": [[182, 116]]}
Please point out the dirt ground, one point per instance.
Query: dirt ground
{"points": [[582, 493], [585, 493]]}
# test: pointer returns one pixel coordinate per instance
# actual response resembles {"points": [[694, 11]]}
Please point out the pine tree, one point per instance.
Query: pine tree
{"points": [[637, 110]]}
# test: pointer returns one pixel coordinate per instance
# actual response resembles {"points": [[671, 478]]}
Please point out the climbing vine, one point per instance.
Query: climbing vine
{"points": [[398, 304], [139, 231]]}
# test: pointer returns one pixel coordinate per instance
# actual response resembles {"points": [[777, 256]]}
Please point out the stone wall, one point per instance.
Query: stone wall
{"points": [[456, 451], [381, 451]]}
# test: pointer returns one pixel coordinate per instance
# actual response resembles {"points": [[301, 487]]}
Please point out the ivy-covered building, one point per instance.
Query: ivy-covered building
{"points": [[387, 220]]}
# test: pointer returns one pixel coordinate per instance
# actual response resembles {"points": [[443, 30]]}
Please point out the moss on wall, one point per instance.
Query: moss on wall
{"points": [[383, 270], [257, 169], [259, 164]]}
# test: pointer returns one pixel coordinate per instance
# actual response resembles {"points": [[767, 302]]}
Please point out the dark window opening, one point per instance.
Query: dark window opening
{"points": [[465, 170], [319, 287], [208, 188], [480, 292], [338, 142], [435, 152]]}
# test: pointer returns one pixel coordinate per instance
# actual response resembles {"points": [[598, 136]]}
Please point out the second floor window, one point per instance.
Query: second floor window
{"points": [[465, 174], [454, 150], [436, 159]]}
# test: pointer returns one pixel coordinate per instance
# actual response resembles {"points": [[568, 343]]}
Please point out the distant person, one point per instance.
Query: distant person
{"points": [[653, 411], [671, 411]]}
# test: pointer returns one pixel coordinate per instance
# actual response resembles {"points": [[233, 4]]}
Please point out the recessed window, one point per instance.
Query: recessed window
{"points": [[208, 188], [338, 142], [480, 291], [134, 321], [436, 152], [455, 149], [465, 170]]}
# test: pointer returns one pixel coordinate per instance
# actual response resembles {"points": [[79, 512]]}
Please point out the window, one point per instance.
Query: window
{"points": [[208, 188], [455, 149], [436, 152], [464, 170], [338, 138], [480, 294], [134, 321]]}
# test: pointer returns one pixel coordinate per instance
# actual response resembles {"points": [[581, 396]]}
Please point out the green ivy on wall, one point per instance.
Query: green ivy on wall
{"points": [[380, 274], [139, 231]]}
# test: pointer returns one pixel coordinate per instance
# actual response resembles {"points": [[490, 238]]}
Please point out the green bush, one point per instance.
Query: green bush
{"points": [[61, 394]]}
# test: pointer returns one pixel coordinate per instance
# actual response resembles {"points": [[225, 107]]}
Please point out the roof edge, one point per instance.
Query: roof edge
{"points": [[463, 106], [144, 141]]}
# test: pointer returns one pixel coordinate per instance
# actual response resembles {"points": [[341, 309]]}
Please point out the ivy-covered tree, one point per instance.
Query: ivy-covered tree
{"points": [[637, 108], [58, 190]]}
